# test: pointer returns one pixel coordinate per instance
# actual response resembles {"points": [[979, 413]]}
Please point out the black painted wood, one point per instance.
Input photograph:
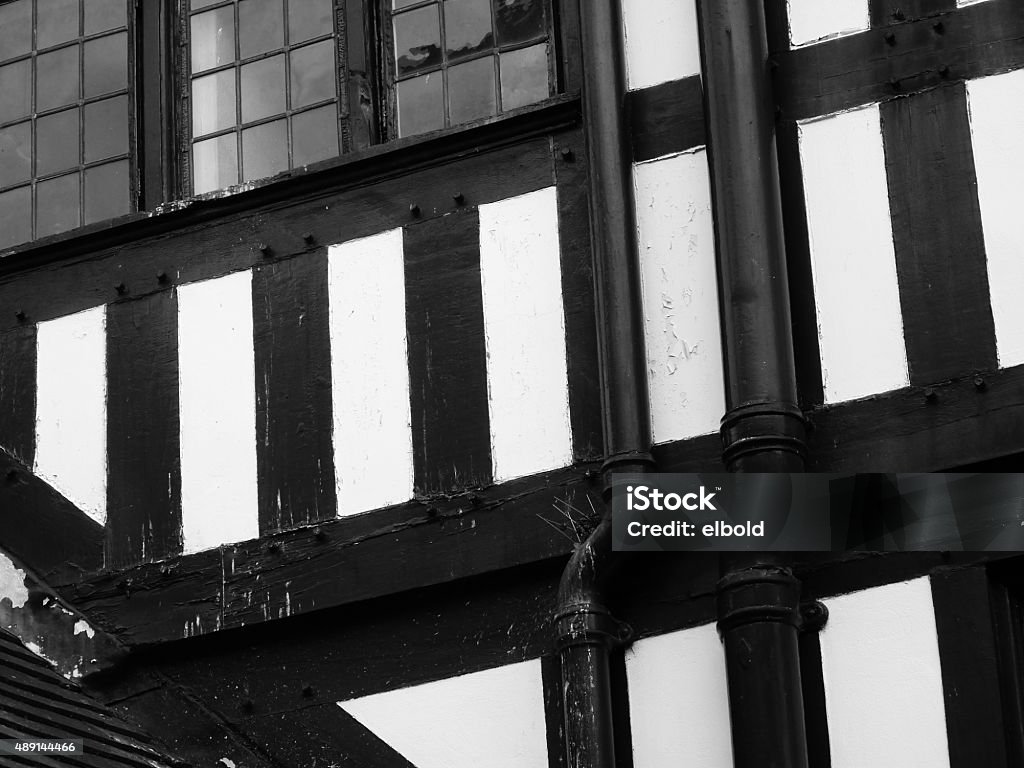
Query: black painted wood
{"points": [[885, 12], [967, 43], [554, 711], [1009, 630], [947, 425], [42, 529], [294, 452], [620, 708], [144, 468], [697, 454], [447, 356], [666, 118], [578, 301], [968, 652], [18, 392], [804, 313], [937, 232], [815, 720]]}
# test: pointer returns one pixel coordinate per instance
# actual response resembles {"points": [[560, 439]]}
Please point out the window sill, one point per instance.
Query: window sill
{"points": [[373, 164]]}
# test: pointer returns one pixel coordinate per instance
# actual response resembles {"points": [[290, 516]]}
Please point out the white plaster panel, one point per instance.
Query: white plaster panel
{"points": [[493, 718], [680, 295], [962, 3], [71, 408], [997, 128], [853, 261], [662, 42], [370, 373], [217, 396], [883, 682], [811, 21], [524, 331], [679, 700]]}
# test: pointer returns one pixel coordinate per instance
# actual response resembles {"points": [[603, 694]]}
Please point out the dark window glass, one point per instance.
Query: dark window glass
{"points": [[269, 68], [15, 29], [57, 142], [494, 58], [64, 110]]}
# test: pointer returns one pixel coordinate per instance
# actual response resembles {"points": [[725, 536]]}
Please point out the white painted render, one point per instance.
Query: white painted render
{"points": [[682, 332], [853, 261], [71, 408], [679, 701], [662, 41], [811, 21], [12, 583], [370, 373], [493, 718], [217, 396], [996, 107], [883, 682], [524, 332]]}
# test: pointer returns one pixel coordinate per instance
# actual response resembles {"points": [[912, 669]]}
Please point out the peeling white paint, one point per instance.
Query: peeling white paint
{"points": [[853, 261], [996, 106], [82, 627], [811, 21], [524, 331], [661, 41], [226, 762], [680, 295], [883, 680], [370, 373], [217, 395], [962, 3], [71, 408], [493, 718], [12, 583], [679, 700]]}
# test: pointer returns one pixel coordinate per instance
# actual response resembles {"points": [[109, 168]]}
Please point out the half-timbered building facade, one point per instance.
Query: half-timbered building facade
{"points": [[324, 324]]}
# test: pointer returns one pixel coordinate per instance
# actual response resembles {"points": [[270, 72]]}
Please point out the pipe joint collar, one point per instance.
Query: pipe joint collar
{"points": [[763, 427], [758, 595], [590, 625]]}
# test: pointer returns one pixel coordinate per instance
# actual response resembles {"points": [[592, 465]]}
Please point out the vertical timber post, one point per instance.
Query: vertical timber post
{"points": [[763, 428], [586, 630]]}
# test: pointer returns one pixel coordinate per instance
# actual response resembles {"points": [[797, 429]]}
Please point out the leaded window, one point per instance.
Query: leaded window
{"points": [[65, 143], [456, 61]]}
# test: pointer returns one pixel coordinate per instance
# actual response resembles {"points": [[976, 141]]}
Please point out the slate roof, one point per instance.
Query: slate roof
{"points": [[37, 702]]}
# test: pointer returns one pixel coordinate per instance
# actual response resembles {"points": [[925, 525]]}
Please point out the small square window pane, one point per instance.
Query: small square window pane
{"points": [[106, 129], [260, 26], [471, 90], [197, 4], [518, 21], [400, 4], [264, 150], [57, 78], [263, 89], [417, 40], [106, 65], [308, 19], [420, 105], [213, 103], [467, 27], [15, 29], [57, 142], [106, 192], [57, 22], [101, 15], [524, 76], [314, 136], [313, 74], [15, 154], [15, 216], [213, 38], [57, 205], [214, 164], [16, 90]]}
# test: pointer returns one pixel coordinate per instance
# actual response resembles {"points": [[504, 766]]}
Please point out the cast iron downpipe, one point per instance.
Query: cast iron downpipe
{"points": [[763, 428], [586, 630]]}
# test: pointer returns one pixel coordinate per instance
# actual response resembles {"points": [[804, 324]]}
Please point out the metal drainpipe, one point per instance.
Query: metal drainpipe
{"points": [[763, 428], [586, 630]]}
